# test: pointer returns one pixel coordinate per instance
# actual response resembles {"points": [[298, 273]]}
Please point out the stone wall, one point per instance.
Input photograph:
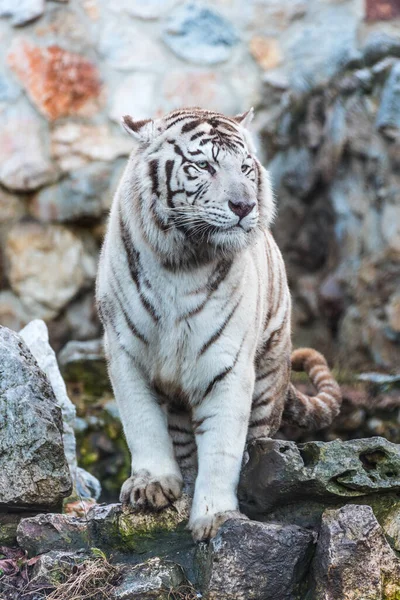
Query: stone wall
{"points": [[72, 68]]}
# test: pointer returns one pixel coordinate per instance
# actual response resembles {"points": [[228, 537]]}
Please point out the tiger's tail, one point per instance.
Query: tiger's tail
{"points": [[313, 412]]}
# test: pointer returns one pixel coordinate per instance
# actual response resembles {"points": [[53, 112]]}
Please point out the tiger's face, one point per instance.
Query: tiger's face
{"points": [[198, 176]]}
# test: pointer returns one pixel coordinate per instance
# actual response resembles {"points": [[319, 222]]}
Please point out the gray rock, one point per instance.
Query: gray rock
{"points": [[47, 532], [33, 469], [279, 471], [47, 569], [77, 198], [21, 12], [299, 174], [260, 561], [155, 579], [388, 118], [108, 527], [36, 337], [8, 527], [353, 559], [199, 35], [380, 45]]}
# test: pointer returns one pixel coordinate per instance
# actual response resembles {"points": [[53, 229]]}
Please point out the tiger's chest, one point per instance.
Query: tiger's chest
{"points": [[183, 349]]}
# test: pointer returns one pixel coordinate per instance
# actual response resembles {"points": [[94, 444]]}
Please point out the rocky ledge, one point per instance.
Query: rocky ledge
{"points": [[321, 520]]}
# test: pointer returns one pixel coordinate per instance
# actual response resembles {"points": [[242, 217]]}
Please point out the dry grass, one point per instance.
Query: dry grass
{"points": [[184, 592], [92, 580]]}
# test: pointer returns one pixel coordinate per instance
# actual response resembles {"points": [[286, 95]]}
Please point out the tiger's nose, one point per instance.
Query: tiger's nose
{"points": [[241, 209]]}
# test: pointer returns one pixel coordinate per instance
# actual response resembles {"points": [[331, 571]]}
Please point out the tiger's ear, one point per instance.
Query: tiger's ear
{"points": [[245, 118], [143, 131]]}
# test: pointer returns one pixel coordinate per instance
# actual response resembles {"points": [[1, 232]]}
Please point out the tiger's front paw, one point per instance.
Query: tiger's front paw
{"points": [[206, 527], [142, 490]]}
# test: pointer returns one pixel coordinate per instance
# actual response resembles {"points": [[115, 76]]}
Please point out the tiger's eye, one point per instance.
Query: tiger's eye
{"points": [[203, 164], [244, 168]]}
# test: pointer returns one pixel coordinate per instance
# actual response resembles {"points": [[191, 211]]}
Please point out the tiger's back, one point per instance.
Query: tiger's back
{"points": [[193, 295]]}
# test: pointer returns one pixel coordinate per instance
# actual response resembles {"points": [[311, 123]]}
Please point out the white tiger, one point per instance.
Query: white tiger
{"points": [[193, 295]]}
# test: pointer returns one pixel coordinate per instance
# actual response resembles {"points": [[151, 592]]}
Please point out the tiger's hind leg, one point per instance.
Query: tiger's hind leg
{"points": [[270, 390]]}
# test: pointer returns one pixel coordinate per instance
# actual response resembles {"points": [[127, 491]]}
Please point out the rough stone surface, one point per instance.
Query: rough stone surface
{"points": [[153, 580], [21, 12], [48, 266], [198, 34], [278, 471], [388, 117], [59, 83], [75, 145], [47, 569], [33, 470], [36, 337], [260, 561], [107, 527], [80, 198], [151, 9], [353, 559], [24, 164]]}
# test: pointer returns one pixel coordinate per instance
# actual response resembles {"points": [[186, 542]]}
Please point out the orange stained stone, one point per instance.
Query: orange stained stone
{"points": [[59, 83]]}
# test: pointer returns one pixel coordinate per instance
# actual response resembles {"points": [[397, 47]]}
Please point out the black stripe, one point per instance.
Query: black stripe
{"points": [[259, 422], [222, 374], [188, 455], [153, 173], [261, 376], [127, 318], [220, 329], [180, 429], [183, 444], [190, 126], [133, 257], [197, 135]]}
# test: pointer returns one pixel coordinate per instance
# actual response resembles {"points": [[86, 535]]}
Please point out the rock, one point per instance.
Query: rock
{"points": [[24, 164], [87, 485], [388, 118], [36, 338], [200, 35], [136, 96], [49, 567], [78, 321], [107, 527], [125, 45], [255, 560], [182, 87], [74, 145], [151, 9], [353, 559], [13, 314], [266, 52], [47, 532], [8, 527], [379, 45], [393, 312], [334, 32], [59, 83], [299, 174], [33, 469], [391, 225], [48, 266], [153, 580], [81, 197], [12, 207], [278, 471], [21, 12]]}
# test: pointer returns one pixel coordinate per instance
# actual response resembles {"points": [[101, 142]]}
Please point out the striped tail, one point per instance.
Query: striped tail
{"points": [[313, 412]]}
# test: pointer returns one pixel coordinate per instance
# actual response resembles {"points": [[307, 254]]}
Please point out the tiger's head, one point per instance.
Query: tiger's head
{"points": [[197, 183]]}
